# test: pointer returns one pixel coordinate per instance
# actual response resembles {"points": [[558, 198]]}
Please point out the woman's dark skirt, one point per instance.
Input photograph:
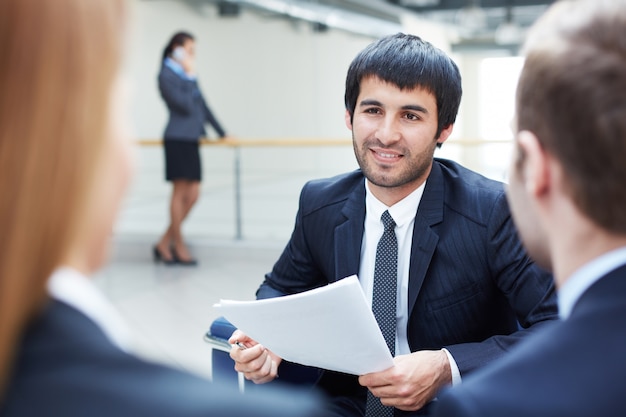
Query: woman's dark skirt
{"points": [[182, 160]]}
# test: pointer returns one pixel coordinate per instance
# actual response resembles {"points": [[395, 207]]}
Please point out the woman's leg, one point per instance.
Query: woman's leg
{"points": [[192, 193], [189, 192], [178, 211]]}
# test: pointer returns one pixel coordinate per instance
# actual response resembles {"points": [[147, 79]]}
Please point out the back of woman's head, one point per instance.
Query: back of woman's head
{"points": [[59, 59]]}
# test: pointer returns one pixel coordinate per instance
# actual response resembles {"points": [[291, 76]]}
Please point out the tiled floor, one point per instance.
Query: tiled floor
{"points": [[169, 308]]}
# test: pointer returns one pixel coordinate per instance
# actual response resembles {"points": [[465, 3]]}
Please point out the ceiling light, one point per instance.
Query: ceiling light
{"points": [[472, 18], [419, 3], [508, 33]]}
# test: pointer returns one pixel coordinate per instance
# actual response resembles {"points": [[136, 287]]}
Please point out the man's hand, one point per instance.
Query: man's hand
{"points": [[257, 363], [412, 382]]}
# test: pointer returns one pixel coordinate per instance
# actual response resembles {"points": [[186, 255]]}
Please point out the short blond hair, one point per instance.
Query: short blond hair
{"points": [[59, 60]]}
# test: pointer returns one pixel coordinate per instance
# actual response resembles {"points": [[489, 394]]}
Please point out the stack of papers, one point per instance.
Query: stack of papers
{"points": [[331, 327]]}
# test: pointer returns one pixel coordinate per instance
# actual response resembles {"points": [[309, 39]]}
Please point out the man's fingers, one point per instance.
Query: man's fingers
{"points": [[266, 373], [249, 360], [239, 336], [252, 359], [375, 379]]}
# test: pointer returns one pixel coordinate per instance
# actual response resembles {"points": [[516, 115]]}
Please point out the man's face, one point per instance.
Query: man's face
{"points": [[525, 214], [393, 134]]}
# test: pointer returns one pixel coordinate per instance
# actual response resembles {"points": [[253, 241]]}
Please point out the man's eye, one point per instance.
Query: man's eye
{"points": [[372, 110], [412, 116]]}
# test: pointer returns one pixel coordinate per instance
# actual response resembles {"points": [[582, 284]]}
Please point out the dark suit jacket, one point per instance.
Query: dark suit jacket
{"points": [[573, 368], [187, 107], [470, 280], [67, 367]]}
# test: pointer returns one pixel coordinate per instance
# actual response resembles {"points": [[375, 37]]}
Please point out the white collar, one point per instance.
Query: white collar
{"points": [[585, 276], [178, 69], [74, 289], [402, 212]]}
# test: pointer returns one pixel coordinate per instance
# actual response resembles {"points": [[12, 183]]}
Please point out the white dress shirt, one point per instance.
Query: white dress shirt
{"points": [[403, 213], [74, 289], [585, 276]]}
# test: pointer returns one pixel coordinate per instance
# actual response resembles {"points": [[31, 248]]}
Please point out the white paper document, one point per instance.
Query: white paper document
{"points": [[331, 327]]}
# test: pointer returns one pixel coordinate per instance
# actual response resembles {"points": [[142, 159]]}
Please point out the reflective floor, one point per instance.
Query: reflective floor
{"points": [[169, 308]]}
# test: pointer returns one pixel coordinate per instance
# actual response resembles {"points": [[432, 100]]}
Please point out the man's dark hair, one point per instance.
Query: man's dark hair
{"points": [[408, 62]]}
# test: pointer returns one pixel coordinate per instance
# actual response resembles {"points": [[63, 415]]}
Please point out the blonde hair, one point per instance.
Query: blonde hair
{"points": [[59, 60]]}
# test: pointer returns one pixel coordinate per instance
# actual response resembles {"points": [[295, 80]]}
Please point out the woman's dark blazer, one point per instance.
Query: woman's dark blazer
{"points": [[187, 108]]}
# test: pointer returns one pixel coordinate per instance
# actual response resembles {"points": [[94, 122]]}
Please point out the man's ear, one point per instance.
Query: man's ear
{"points": [[445, 133], [348, 119], [536, 167]]}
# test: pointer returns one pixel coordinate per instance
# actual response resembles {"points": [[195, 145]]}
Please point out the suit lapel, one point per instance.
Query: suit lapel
{"points": [[429, 213], [349, 234]]}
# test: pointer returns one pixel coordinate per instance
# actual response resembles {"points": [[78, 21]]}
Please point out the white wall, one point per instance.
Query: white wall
{"points": [[262, 76]]}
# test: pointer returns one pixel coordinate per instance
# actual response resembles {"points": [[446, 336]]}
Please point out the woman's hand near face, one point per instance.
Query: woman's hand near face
{"points": [[188, 60], [189, 64]]}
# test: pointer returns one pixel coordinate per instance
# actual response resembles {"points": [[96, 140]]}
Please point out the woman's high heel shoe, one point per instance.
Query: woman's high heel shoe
{"points": [[158, 257], [179, 261]]}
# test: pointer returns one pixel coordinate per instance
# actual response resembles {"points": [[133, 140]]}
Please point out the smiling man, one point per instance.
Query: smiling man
{"points": [[432, 242], [394, 135]]}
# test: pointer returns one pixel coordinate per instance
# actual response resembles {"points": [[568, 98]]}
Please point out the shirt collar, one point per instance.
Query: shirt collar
{"points": [[402, 212], [74, 289], [585, 276], [177, 68]]}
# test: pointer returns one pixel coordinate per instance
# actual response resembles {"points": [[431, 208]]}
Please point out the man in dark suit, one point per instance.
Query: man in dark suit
{"points": [[567, 196], [464, 283]]}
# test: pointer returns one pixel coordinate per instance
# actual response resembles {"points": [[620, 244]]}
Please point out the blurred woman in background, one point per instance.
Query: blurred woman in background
{"points": [[64, 165], [188, 112]]}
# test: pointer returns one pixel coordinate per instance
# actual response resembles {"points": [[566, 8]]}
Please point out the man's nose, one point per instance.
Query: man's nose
{"points": [[389, 130]]}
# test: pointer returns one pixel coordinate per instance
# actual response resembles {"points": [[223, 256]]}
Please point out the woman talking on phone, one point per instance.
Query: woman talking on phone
{"points": [[188, 113]]}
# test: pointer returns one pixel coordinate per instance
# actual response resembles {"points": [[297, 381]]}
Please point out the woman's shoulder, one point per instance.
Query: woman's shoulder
{"points": [[167, 72]]}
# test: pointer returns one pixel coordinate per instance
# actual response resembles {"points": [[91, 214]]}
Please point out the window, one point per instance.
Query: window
{"points": [[498, 81]]}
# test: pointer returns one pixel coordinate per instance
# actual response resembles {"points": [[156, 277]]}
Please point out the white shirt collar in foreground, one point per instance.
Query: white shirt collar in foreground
{"points": [[76, 290], [402, 212], [586, 276]]}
